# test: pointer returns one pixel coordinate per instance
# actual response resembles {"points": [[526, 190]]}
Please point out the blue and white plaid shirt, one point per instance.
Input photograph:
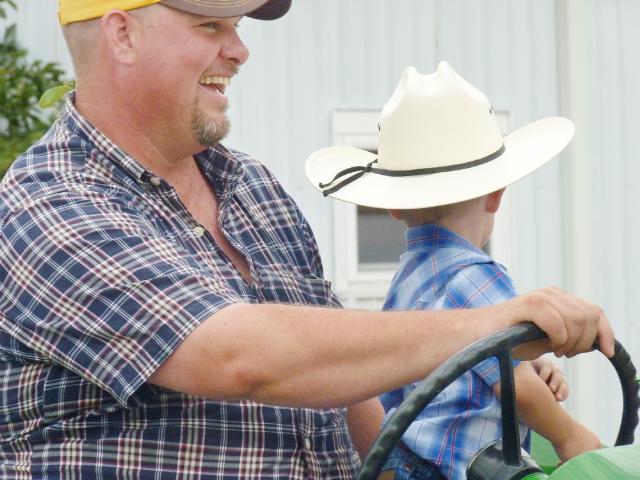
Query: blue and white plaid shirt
{"points": [[103, 273], [441, 270]]}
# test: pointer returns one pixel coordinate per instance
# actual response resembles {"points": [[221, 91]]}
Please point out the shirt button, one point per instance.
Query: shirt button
{"points": [[155, 181], [307, 444], [199, 231]]}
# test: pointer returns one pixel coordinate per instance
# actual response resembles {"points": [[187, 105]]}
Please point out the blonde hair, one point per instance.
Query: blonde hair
{"points": [[82, 39]]}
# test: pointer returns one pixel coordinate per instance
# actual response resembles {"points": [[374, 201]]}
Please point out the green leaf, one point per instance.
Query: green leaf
{"points": [[3, 11], [54, 95], [10, 35]]}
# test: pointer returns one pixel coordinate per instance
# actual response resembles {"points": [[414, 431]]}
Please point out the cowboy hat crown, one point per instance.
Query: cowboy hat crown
{"points": [[426, 117]]}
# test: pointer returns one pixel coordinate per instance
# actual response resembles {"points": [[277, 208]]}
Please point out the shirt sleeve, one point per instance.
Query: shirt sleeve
{"points": [[91, 285], [474, 286]]}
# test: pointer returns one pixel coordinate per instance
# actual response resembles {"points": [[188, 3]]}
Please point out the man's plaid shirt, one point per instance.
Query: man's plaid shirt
{"points": [[440, 271], [103, 273]]}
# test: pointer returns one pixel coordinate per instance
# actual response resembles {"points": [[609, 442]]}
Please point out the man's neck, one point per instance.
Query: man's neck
{"points": [[119, 122]]}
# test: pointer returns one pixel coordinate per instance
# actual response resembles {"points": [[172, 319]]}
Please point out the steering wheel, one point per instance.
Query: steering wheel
{"points": [[501, 459]]}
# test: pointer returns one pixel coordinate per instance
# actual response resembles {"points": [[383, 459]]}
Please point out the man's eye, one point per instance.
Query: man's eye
{"points": [[217, 26]]}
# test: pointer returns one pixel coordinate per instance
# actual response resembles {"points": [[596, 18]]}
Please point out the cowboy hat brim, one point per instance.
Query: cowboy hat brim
{"points": [[526, 150]]}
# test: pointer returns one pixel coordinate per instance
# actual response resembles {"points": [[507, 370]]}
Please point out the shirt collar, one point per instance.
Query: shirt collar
{"points": [[432, 235]]}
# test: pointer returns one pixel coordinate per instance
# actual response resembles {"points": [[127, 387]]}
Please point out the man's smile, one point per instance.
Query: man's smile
{"points": [[215, 82]]}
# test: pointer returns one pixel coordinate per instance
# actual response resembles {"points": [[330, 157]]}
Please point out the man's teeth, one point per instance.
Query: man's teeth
{"points": [[214, 79]]}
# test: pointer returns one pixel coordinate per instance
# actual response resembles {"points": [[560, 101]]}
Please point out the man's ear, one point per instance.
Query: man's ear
{"points": [[117, 28], [493, 200]]}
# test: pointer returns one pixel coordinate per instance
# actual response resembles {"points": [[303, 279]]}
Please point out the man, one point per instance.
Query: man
{"points": [[161, 292]]}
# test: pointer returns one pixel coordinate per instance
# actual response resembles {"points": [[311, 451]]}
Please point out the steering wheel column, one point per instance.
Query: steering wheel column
{"points": [[504, 459]]}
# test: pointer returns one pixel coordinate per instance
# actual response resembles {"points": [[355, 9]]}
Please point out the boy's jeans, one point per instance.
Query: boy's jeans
{"points": [[403, 464]]}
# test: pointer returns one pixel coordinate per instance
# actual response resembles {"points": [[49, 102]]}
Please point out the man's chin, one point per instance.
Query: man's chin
{"points": [[209, 131]]}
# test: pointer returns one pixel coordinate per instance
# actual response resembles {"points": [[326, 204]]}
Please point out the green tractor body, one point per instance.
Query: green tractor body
{"points": [[619, 463]]}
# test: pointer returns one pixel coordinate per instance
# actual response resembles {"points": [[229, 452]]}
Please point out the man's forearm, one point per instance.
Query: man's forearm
{"points": [[316, 357], [322, 357]]}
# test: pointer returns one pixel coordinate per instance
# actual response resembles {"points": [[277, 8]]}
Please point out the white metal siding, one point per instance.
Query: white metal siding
{"points": [[600, 78]]}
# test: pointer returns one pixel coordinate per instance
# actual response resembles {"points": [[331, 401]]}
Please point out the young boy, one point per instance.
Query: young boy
{"points": [[442, 168], [443, 268]]}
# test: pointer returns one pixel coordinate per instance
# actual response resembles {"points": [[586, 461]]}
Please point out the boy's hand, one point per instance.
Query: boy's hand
{"points": [[553, 376]]}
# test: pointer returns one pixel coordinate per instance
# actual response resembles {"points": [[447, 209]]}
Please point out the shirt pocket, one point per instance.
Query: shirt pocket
{"points": [[278, 283]]}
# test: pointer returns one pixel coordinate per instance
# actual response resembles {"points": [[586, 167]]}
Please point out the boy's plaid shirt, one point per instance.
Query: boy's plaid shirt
{"points": [[442, 270], [103, 273]]}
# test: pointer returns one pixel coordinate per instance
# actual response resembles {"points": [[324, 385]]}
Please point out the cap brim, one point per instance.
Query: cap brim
{"points": [[526, 150], [260, 9]]}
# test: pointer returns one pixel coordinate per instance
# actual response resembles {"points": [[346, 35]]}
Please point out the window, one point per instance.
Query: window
{"points": [[380, 238]]}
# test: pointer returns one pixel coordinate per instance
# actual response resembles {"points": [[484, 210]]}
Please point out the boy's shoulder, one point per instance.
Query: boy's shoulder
{"points": [[472, 285], [446, 278], [479, 273], [449, 263]]}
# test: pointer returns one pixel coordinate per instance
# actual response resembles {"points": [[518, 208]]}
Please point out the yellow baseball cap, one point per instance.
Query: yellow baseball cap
{"points": [[70, 11]]}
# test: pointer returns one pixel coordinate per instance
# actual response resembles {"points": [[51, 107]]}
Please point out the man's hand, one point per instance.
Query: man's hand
{"points": [[572, 324], [552, 376]]}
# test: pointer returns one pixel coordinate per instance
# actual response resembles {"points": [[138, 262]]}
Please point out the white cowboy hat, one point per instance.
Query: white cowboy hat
{"points": [[439, 143]]}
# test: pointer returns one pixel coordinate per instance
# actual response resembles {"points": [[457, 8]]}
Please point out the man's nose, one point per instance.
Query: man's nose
{"points": [[234, 49]]}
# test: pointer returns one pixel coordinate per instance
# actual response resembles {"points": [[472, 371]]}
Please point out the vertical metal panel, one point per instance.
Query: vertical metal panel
{"points": [[600, 89], [532, 86], [628, 125], [615, 104]]}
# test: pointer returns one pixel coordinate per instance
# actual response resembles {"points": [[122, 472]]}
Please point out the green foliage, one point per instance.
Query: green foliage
{"points": [[21, 84], [3, 10], [54, 95]]}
